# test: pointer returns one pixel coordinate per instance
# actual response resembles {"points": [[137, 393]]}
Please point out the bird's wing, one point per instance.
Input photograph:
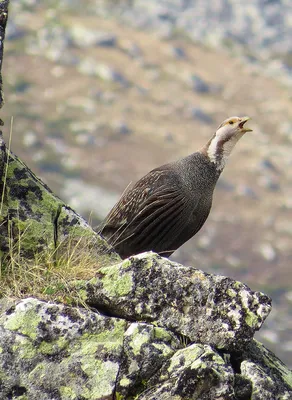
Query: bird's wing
{"points": [[148, 213]]}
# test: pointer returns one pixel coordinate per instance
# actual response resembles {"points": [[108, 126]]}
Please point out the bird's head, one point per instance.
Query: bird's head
{"points": [[226, 136], [234, 126]]}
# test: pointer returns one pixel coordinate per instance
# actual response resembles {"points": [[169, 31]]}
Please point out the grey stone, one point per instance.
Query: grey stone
{"points": [[178, 52], [205, 308], [53, 351], [200, 115], [199, 85], [84, 37]]}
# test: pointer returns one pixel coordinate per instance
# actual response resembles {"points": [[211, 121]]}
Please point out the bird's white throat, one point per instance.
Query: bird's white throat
{"points": [[219, 151]]}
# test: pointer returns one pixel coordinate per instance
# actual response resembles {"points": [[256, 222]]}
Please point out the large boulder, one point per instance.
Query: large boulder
{"points": [[205, 308], [53, 351]]}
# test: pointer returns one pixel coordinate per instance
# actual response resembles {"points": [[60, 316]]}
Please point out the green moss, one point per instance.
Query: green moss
{"points": [[115, 281], [24, 321]]}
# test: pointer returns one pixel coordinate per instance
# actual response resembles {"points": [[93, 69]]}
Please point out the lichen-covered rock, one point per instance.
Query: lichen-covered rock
{"points": [[196, 372], [146, 348], [52, 351], [32, 215], [205, 308], [270, 378]]}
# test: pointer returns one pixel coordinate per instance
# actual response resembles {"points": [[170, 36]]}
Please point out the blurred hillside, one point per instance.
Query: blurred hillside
{"points": [[102, 92]]}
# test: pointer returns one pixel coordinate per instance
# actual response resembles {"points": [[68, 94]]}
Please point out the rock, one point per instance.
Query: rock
{"points": [[270, 378], [30, 140], [205, 308], [32, 214], [178, 52], [133, 50], [90, 67], [122, 128], [246, 191], [53, 351], [269, 182], [73, 192], [198, 114], [268, 252], [58, 351], [182, 375], [85, 37], [198, 84], [14, 31], [267, 164]]}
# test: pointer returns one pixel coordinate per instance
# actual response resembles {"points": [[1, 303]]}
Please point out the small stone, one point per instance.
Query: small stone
{"points": [[122, 128], [246, 191], [266, 164], [198, 84], [90, 67], [30, 139], [268, 252], [270, 183], [14, 32], [84, 37], [169, 137], [233, 261], [178, 52], [269, 336], [133, 50], [198, 114]]}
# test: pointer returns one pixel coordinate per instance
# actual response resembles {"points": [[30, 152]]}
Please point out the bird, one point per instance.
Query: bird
{"points": [[170, 204]]}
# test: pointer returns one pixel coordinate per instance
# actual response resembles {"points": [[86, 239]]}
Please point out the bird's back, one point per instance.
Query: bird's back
{"points": [[163, 209]]}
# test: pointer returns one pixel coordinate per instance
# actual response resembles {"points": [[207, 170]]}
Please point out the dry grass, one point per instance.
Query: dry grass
{"points": [[50, 275]]}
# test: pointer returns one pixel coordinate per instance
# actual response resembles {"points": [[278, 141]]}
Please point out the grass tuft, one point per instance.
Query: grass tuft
{"points": [[51, 275]]}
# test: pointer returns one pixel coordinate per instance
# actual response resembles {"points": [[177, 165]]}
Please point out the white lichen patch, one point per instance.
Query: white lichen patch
{"points": [[235, 316]]}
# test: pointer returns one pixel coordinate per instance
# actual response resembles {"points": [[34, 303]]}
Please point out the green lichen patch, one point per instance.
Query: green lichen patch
{"points": [[24, 348], [115, 280], [101, 375], [251, 319], [53, 347], [24, 320], [68, 393], [110, 340]]}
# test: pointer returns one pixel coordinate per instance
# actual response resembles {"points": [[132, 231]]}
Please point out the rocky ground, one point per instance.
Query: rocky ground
{"points": [[100, 95]]}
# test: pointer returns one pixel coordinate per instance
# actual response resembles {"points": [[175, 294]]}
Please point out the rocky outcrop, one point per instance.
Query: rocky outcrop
{"points": [[32, 215], [205, 308], [146, 340]]}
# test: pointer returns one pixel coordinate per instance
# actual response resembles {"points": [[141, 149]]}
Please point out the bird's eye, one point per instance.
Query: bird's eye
{"points": [[231, 122]]}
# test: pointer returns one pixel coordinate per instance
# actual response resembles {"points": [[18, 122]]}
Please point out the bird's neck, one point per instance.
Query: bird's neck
{"points": [[218, 150]]}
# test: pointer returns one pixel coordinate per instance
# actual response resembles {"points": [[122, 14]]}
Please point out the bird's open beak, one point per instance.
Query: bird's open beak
{"points": [[241, 124]]}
